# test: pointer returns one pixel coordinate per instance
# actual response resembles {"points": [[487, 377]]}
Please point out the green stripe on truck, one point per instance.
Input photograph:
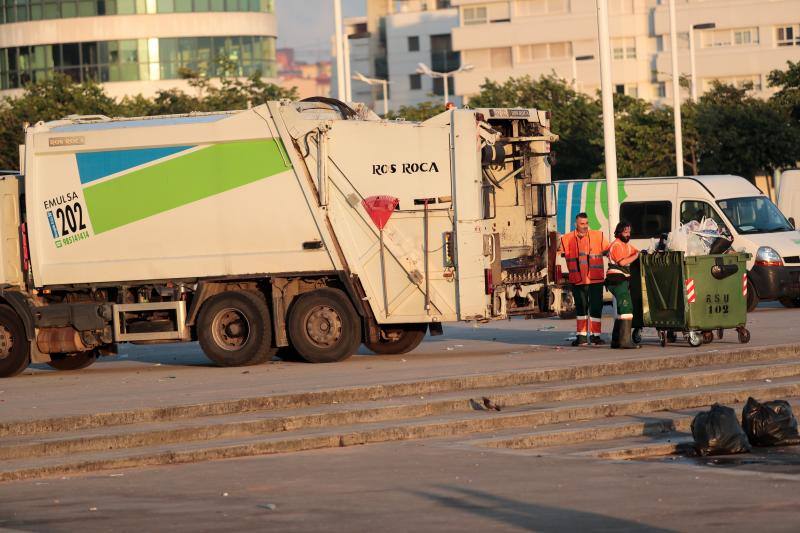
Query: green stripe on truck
{"points": [[185, 179]]}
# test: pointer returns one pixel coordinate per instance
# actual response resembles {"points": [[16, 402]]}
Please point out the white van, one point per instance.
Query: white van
{"points": [[655, 206], [789, 195]]}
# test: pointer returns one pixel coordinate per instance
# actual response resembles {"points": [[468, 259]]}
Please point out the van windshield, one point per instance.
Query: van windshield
{"points": [[754, 214]]}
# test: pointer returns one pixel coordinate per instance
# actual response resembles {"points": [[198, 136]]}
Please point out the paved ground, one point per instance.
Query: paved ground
{"points": [[430, 486], [425, 485], [180, 374]]}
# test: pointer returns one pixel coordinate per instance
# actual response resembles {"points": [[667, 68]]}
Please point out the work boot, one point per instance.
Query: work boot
{"points": [[597, 340], [615, 334], [625, 335], [580, 340]]}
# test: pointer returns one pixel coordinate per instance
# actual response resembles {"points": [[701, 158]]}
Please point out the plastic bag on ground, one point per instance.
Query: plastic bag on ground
{"points": [[717, 432], [769, 423]]}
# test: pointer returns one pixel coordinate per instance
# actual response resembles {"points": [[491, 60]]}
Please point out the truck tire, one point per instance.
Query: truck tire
{"points": [[76, 361], [323, 327], [15, 355], [411, 336], [235, 329], [789, 302], [752, 297]]}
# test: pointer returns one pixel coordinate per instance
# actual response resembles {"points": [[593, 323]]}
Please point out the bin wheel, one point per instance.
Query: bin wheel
{"points": [[662, 337], [694, 339], [720, 333], [744, 335], [708, 336], [637, 335], [672, 336]]}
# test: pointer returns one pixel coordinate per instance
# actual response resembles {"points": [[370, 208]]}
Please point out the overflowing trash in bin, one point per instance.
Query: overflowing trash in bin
{"points": [[695, 296]]}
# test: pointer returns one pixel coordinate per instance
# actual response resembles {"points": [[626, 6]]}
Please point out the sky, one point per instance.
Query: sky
{"points": [[307, 25]]}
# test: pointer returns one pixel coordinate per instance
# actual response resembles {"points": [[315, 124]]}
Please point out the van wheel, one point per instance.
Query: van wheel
{"points": [[323, 327], [752, 297], [407, 337], [789, 302], [15, 355], [234, 329], [75, 361]]}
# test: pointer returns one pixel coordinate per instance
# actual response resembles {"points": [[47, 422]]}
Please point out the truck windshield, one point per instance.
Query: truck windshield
{"points": [[755, 214]]}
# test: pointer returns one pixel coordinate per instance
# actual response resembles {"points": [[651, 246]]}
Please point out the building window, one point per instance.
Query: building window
{"points": [[474, 15], [501, 57], [137, 59], [730, 37], [662, 89], [788, 35], [25, 10], [751, 82], [619, 88], [415, 82], [537, 52], [413, 44], [624, 48], [480, 59], [524, 8], [443, 58]]}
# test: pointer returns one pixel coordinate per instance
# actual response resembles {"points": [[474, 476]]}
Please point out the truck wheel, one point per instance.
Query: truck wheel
{"points": [[76, 361], [323, 327], [789, 302], [15, 353], [752, 297], [234, 329], [409, 337]]}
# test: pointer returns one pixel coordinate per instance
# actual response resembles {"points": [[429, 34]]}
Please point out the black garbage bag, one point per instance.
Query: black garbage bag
{"points": [[769, 423], [717, 432]]}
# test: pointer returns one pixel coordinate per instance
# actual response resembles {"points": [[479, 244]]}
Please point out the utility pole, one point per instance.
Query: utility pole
{"points": [[676, 90], [609, 140], [339, 45]]}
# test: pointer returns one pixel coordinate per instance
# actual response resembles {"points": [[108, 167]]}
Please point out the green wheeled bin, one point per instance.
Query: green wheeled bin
{"points": [[694, 296]]}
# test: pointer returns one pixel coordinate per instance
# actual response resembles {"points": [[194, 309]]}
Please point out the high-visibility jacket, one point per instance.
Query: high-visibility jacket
{"points": [[617, 252], [584, 256]]}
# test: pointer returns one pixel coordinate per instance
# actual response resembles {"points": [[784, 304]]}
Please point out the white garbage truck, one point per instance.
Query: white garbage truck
{"points": [[309, 226]]}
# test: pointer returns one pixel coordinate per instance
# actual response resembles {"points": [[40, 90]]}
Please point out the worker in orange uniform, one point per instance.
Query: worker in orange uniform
{"points": [[583, 250], [621, 254]]}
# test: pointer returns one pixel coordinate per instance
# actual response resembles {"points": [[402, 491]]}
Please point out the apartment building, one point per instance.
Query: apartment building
{"points": [[389, 43], [133, 46], [735, 41]]}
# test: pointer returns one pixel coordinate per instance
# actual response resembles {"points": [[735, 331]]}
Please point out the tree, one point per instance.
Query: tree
{"points": [[417, 113], [742, 135], [645, 138], [43, 101], [576, 119], [60, 97]]}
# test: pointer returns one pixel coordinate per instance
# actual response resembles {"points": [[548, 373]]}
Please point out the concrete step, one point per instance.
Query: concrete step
{"points": [[702, 358], [450, 425], [416, 407]]}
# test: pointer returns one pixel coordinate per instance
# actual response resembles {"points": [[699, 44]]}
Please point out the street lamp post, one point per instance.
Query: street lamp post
{"points": [[339, 45], [609, 139], [575, 60], [348, 94], [422, 68], [375, 81], [676, 90], [704, 26]]}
